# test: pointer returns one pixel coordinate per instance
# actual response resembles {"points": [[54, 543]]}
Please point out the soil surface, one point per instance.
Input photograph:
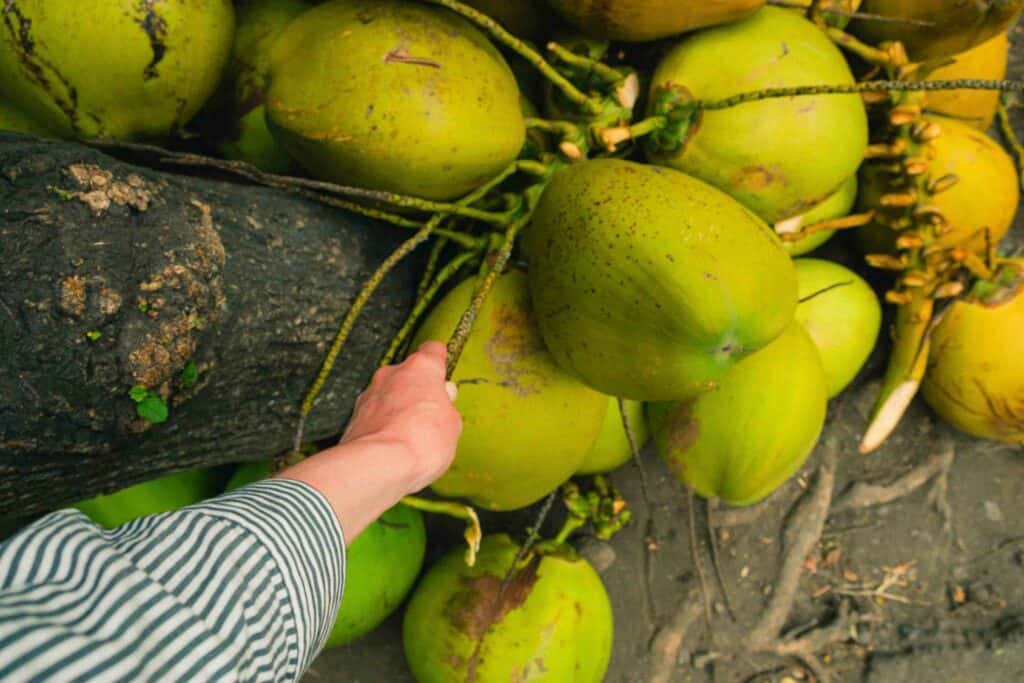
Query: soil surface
{"points": [[934, 579]]}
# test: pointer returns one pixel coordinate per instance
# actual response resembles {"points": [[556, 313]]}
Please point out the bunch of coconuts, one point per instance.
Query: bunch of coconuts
{"points": [[655, 283]]}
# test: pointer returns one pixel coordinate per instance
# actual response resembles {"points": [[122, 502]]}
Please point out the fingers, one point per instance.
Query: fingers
{"points": [[428, 361]]}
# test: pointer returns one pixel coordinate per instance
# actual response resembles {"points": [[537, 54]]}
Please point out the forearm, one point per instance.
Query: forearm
{"points": [[361, 479]]}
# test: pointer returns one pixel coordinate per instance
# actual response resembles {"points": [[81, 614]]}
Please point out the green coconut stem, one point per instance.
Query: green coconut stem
{"points": [[855, 220], [350, 320], [869, 53], [431, 267], [615, 135], [473, 534], [463, 240], [293, 184], [857, 88], [1010, 135], [907, 363], [609, 75], [423, 302], [520, 47]]}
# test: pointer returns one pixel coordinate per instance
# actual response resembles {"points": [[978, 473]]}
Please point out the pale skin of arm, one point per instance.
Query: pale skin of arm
{"points": [[401, 437]]}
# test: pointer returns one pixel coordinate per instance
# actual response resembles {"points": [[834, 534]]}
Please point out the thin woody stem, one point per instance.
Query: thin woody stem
{"points": [[461, 334], [571, 92]]}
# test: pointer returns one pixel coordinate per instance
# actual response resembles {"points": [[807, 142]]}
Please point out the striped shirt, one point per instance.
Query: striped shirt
{"points": [[244, 587]]}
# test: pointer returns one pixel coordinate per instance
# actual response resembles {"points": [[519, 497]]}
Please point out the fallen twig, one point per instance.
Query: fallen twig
{"points": [[863, 494], [668, 642], [803, 532]]}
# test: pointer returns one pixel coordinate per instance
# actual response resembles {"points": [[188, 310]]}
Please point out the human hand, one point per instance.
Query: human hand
{"points": [[411, 406]]}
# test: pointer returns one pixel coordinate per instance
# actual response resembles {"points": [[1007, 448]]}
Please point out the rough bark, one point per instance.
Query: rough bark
{"points": [[113, 275]]}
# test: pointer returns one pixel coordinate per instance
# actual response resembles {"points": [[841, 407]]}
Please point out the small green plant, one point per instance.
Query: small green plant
{"points": [[63, 194], [93, 335], [148, 405], [143, 307], [189, 374]]}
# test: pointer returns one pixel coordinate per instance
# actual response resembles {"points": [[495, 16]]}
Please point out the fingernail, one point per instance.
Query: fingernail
{"points": [[452, 390]]}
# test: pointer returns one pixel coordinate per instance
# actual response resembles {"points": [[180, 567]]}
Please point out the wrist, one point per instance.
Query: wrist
{"points": [[393, 455]]}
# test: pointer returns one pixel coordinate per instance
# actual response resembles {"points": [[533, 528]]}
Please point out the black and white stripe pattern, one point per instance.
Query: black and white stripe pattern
{"points": [[244, 587]]}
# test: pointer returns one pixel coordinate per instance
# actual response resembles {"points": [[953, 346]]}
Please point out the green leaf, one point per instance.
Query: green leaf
{"points": [[138, 393], [189, 373], [93, 335], [152, 409]]}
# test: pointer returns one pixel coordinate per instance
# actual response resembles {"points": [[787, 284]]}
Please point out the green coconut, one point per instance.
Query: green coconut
{"points": [[779, 157], [237, 119], [552, 624], [644, 20], [151, 497], [975, 374], [944, 27], [612, 449], [843, 316], [527, 424], [94, 68], [836, 206], [650, 284], [395, 96], [744, 439], [381, 564]]}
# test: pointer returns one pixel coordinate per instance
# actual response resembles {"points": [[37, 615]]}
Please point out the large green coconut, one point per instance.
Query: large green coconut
{"points": [[381, 564], [779, 157], [842, 314], [650, 284], [742, 440], [643, 20], [552, 624], [237, 122], [151, 497], [96, 68], [943, 27], [526, 423], [396, 96]]}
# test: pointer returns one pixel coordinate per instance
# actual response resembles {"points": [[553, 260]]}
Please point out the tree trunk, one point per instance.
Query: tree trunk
{"points": [[113, 276]]}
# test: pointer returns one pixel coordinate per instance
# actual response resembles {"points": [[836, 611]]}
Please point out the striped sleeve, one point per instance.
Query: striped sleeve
{"points": [[244, 587]]}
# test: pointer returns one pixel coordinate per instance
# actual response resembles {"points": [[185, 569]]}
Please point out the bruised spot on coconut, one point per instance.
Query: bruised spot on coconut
{"points": [[757, 178], [515, 339], [683, 431], [482, 604]]}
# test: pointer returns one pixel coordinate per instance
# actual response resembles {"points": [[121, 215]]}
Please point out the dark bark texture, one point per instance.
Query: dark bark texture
{"points": [[112, 275]]}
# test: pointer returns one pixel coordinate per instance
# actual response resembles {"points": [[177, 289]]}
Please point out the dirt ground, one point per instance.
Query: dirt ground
{"points": [[927, 587]]}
